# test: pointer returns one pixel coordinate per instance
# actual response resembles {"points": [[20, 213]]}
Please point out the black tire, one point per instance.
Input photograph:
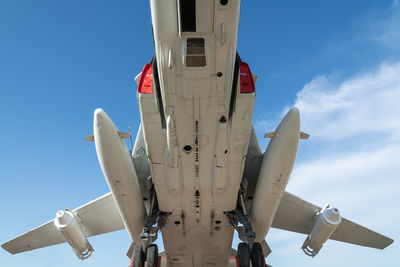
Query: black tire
{"points": [[152, 256], [257, 256], [244, 255], [137, 260]]}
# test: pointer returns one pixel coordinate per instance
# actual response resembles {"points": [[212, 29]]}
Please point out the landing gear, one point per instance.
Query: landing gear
{"points": [[138, 258], [155, 219], [248, 251], [239, 216], [152, 256], [257, 256], [244, 255], [147, 252], [148, 259]]}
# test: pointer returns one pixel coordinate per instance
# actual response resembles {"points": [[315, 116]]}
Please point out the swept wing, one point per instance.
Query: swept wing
{"points": [[97, 217], [297, 215]]}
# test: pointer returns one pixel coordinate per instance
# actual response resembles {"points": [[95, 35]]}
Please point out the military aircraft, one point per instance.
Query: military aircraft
{"points": [[196, 172]]}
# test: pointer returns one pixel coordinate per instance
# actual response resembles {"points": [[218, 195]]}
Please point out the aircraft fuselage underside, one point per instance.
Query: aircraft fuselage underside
{"points": [[196, 123]]}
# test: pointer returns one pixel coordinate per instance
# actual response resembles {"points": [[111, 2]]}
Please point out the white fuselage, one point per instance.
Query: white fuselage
{"points": [[197, 134]]}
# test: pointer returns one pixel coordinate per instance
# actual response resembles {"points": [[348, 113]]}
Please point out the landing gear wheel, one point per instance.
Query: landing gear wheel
{"points": [[152, 256], [257, 256], [244, 255], [137, 259]]}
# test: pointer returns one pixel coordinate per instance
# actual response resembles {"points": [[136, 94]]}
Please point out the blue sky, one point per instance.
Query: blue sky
{"points": [[338, 61]]}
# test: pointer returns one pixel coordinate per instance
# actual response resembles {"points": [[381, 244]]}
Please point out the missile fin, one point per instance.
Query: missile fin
{"points": [[304, 135], [269, 135], [89, 138], [124, 135]]}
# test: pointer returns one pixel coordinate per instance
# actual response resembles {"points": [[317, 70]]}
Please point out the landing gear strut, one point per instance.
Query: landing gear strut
{"points": [[248, 251], [147, 251]]}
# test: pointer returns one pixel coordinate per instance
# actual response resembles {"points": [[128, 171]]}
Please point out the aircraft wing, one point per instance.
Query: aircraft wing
{"points": [[296, 215], [97, 217]]}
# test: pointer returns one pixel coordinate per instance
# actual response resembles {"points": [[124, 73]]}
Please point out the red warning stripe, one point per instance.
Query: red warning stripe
{"points": [[246, 79], [146, 80]]}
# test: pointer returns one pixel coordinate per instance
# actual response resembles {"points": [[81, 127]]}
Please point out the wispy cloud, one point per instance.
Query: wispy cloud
{"points": [[352, 159], [362, 181], [362, 105], [381, 28], [390, 27], [362, 110]]}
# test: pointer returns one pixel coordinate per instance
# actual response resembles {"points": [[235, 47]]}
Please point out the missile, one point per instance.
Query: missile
{"points": [[276, 166], [120, 174], [327, 220], [68, 224]]}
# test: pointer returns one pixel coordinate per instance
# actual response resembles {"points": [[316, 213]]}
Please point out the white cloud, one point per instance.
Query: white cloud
{"points": [[363, 110], [352, 159], [353, 182], [381, 28], [363, 105], [360, 179]]}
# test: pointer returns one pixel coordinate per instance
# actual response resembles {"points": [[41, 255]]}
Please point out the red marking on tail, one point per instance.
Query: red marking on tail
{"points": [[146, 80], [246, 79]]}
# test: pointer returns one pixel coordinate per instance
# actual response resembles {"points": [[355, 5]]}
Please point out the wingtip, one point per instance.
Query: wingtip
{"points": [[390, 241], [6, 248]]}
